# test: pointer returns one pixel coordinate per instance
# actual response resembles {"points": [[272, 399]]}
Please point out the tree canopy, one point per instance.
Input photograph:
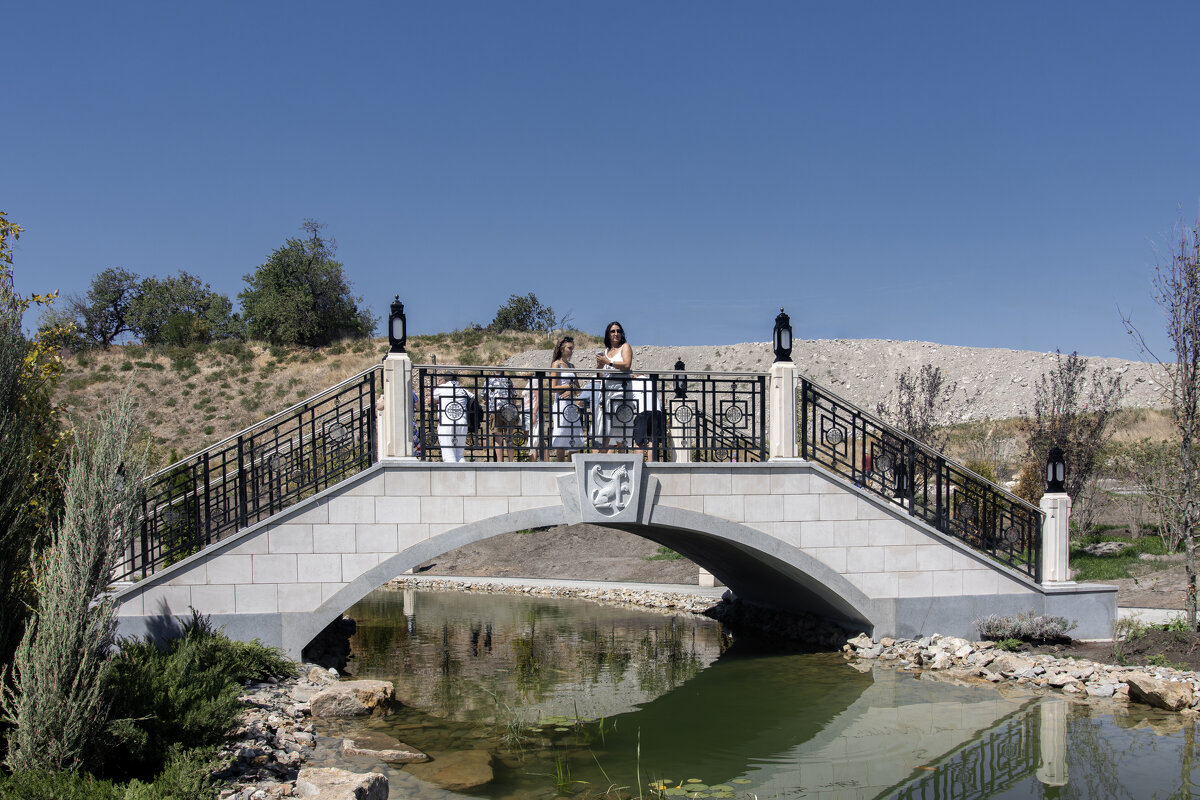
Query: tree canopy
{"points": [[524, 314], [301, 296]]}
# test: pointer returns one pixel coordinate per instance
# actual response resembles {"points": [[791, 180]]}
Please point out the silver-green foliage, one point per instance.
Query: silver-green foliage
{"points": [[57, 703], [1025, 626]]}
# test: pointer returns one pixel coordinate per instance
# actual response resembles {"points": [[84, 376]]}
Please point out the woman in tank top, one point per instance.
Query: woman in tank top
{"points": [[567, 432], [614, 420]]}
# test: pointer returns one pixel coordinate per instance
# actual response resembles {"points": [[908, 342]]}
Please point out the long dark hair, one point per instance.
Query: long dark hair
{"points": [[558, 348], [607, 328]]}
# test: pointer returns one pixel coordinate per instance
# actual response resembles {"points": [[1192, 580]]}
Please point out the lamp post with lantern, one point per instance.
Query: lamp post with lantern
{"points": [[782, 393], [398, 412], [1056, 529]]}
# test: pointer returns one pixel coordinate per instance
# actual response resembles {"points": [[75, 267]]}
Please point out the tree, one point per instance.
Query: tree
{"points": [[920, 404], [104, 312], [30, 442], [1073, 408], [57, 703], [180, 310], [1177, 292], [524, 314], [300, 295]]}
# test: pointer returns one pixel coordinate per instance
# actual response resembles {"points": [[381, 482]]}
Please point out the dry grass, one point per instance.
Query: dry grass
{"points": [[192, 399]]}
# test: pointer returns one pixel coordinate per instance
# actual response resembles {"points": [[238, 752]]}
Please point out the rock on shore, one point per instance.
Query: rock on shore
{"points": [[1161, 687]]}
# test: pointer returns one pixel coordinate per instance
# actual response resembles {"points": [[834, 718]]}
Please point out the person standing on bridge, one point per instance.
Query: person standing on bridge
{"points": [[451, 402], [567, 434], [614, 420]]}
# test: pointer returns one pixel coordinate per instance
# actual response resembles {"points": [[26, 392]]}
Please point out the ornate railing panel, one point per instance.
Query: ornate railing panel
{"points": [[927, 484], [985, 767], [255, 473], [502, 413]]}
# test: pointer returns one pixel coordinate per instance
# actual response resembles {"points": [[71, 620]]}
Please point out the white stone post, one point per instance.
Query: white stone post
{"points": [[781, 436], [707, 579], [1056, 534], [681, 444], [397, 406], [1052, 742]]}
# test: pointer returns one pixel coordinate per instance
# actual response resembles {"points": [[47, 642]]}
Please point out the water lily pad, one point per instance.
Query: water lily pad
{"points": [[694, 785], [562, 730], [720, 787], [675, 791], [695, 780], [741, 780]]}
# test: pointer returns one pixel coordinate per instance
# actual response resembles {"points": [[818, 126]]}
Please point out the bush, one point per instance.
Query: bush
{"points": [[185, 777], [183, 696], [1025, 627], [39, 785]]}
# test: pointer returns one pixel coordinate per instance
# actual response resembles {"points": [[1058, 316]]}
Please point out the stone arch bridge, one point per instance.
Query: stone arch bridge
{"points": [[788, 495]]}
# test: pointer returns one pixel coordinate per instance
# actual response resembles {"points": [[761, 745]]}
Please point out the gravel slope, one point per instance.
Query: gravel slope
{"points": [[993, 383]]}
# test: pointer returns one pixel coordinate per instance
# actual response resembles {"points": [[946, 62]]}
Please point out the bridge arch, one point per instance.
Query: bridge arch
{"points": [[753, 565]]}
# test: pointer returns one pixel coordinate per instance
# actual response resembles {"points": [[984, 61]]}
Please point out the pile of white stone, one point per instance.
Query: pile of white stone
{"points": [[669, 602], [1161, 687], [265, 758]]}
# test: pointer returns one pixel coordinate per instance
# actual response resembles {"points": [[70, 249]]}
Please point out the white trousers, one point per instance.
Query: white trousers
{"points": [[452, 439]]}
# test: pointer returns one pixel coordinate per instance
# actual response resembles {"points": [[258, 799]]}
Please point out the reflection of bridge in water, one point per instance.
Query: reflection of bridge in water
{"points": [[789, 495]]}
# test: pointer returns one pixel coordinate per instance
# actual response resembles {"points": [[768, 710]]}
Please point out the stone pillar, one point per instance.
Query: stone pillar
{"points": [[707, 579], [397, 406], [1056, 534], [781, 387], [1052, 742]]}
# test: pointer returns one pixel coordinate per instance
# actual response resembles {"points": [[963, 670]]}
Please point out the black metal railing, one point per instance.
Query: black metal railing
{"points": [[499, 414], [255, 473], [989, 765], [927, 484]]}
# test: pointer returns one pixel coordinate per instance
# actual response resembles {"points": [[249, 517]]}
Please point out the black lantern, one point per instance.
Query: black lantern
{"points": [[783, 337], [397, 327], [1056, 472], [680, 381], [903, 480]]}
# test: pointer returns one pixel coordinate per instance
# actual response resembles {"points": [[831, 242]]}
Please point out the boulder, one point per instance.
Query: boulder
{"points": [[464, 769], [322, 676], [352, 699], [1171, 695], [380, 746], [329, 783]]}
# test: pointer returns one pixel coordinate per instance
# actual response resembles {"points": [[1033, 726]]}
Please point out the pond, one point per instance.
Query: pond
{"points": [[527, 697]]}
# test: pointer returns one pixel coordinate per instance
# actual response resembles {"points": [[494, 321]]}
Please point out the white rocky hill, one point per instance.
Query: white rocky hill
{"points": [[993, 383]]}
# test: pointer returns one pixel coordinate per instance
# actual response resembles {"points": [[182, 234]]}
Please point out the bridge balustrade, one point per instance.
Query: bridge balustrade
{"points": [[927, 484], [514, 414], [255, 473]]}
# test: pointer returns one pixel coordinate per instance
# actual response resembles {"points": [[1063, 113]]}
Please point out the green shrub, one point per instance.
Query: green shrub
{"points": [[1009, 645], [37, 785], [126, 366], [1025, 626], [183, 696]]}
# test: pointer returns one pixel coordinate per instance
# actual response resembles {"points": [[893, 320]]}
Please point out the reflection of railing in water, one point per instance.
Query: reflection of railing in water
{"points": [[982, 768], [676, 416], [254, 474], [927, 484]]}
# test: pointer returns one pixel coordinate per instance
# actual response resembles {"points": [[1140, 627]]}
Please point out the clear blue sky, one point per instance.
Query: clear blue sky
{"points": [[964, 173]]}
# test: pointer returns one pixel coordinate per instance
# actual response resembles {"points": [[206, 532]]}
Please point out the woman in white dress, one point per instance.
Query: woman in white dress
{"points": [[567, 431], [614, 422], [450, 400]]}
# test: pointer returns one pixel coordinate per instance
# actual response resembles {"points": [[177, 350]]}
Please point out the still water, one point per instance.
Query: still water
{"points": [[518, 697]]}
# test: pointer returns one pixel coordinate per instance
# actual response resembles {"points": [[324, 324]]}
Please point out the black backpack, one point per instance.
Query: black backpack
{"points": [[474, 415]]}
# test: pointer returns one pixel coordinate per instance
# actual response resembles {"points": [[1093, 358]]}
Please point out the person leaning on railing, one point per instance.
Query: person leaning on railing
{"points": [[451, 402], [616, 358], [567, 433], [501, 403]]}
